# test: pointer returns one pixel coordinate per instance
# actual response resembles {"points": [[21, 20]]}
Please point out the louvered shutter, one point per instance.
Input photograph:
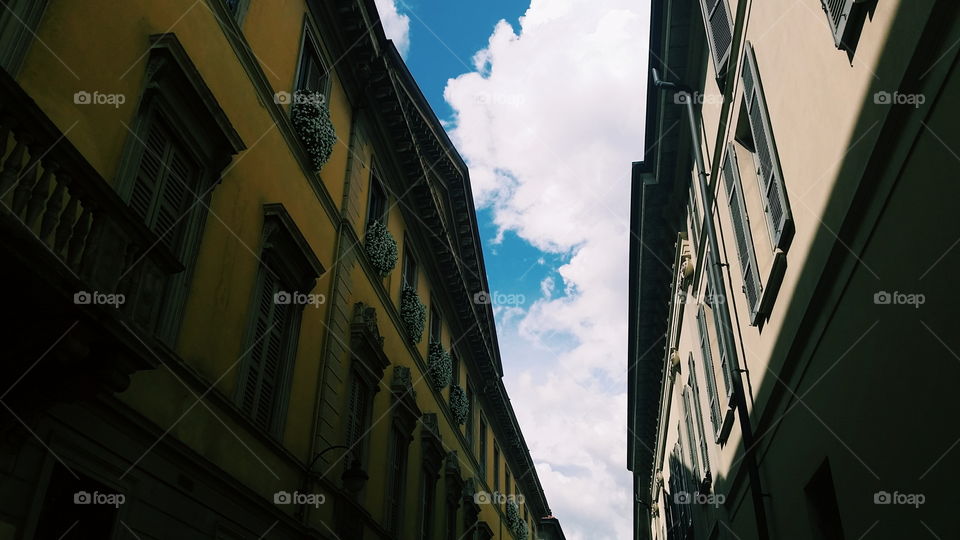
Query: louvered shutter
{"points": [[719, 28], [149, 173], [691, 439], [772, 187], [171, 203], [266, 357], [698, 417], [838, 14], [741, 233], [709, 370], [718, 303]]}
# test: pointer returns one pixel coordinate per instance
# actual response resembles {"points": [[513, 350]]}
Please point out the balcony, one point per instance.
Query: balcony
{"points": [[84, 277]]}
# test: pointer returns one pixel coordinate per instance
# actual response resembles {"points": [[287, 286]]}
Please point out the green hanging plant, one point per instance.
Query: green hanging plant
{"points": [[413, 313], [516, 525], [439, 366], [310, 116], [459, 405], [381, 248]]}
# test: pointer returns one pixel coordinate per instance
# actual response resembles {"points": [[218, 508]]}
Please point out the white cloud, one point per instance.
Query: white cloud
{"points": [[395, 25], [549, 123]]}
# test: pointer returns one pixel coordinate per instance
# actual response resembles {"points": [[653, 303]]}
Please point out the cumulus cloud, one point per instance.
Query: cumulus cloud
{"points": [[395, 24], [549, 121]]}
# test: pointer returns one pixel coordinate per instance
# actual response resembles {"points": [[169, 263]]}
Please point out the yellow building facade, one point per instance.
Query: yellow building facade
{"points": [[249, 283]]}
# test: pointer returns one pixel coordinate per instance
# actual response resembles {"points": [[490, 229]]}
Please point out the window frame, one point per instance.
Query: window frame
{"points": [[293, 261], [310, 38], [376, 185]]}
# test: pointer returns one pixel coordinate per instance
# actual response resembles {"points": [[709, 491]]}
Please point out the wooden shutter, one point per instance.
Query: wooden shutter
{"points": [[165, 178], [741, 233], [691, 439], [356, 421], [719, 29], [838, 14], [397, 470], [267, 356], [149, 173], [698, 416], [709, 370], [717, 298], [776, 207]]}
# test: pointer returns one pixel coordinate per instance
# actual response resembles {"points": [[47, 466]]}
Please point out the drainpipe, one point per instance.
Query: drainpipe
{"points": [[706, 200]]}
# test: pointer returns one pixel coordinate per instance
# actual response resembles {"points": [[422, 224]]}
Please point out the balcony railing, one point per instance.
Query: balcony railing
{"points": [[58, 210]]}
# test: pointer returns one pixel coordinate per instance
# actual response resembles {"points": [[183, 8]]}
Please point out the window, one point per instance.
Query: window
{"points": [[719, 29], [697, 419], [741, 234], [397, 472], [506, 481], [270, 350], [312, 74], [358, 415], [496, 468], [428, 493], [436, 322], [377, 205], [409, 269], [288, 269], [165, 184], [689, 439], [679, 518], [759, 140], [170, 166], [707, 356], [822, 507], [716, 299], [482, 456]]}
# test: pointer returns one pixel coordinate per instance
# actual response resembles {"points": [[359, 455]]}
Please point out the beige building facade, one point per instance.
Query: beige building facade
{"points": [[793, 353]]}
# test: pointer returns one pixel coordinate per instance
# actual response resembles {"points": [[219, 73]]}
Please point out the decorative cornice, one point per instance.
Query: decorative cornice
{"points": [[366, 345]]}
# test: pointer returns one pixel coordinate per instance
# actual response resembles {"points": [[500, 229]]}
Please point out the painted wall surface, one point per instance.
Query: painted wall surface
{"points": [[198, 409], [856, 391]]}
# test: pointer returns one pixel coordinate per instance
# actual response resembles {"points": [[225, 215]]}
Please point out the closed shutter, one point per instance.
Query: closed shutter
{"points": [[397, 471], [356, 421], [691, 439], [698, 417], [718, 303], [267, 356], [776, 208], [719, 28], [838, 14], [709, 370], [149, 173], [165, 178], [741, 233]]}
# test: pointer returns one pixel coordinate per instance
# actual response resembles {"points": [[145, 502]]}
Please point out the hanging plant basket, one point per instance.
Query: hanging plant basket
{"points": [[459, 405], [310, 116], [381, 248], [439, 366], [516, 525], [413, 313]]}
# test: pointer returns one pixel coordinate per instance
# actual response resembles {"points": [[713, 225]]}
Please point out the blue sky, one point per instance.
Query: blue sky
{"points": [[543, 99]]}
